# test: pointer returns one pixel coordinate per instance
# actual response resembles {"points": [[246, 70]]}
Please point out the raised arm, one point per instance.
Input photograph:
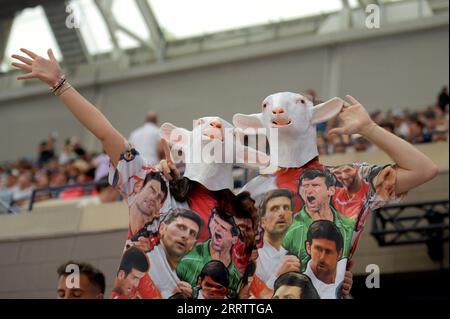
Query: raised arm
{"points": [[49, 71], [413, 167]]}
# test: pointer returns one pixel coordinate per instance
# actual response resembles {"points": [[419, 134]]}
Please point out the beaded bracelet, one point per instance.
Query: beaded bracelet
{"points": [[59, 83], [63, 88]]}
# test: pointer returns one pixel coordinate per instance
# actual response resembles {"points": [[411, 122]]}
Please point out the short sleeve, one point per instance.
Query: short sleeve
{"points": [[129, 174]]}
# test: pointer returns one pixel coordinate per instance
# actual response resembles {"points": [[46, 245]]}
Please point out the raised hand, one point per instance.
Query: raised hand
{"points": [[354, 117], [166, 166], [46, 70]]}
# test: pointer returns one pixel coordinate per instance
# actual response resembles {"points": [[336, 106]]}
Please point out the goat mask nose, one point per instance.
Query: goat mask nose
{"points": [[216, 124], [278, 110]]}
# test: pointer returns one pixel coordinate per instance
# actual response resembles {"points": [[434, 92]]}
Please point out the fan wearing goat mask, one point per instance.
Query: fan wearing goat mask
{"points": [[342, 196], [145, 187]]}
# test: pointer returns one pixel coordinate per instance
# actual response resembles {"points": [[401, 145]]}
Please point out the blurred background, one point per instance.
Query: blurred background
{"points": [[187, 59]]}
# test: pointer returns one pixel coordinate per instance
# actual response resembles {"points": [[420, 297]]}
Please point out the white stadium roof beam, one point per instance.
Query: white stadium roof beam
{"points": [[158, 39], [70, 42]]}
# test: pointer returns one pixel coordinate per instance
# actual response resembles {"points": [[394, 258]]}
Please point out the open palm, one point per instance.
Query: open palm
{"points": [[46, 70], [354, 118]]}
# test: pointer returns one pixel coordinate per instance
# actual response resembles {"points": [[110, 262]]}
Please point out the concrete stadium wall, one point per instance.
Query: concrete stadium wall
{"points": [[33, 245], [394, 71]]}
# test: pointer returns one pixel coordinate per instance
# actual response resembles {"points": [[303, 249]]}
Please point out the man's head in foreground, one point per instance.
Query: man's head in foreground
{"points": [[79, 280]]}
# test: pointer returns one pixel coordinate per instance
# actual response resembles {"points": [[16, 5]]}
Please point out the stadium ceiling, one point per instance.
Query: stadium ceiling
{"points": [[87, 31]]}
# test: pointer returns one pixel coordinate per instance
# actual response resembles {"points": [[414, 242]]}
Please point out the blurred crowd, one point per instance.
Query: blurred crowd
{"points": [[423, 126], [73, 165]]}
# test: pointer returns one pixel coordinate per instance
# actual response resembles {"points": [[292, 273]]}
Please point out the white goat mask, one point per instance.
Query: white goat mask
{"points": [[294, 117], [214, 171]]}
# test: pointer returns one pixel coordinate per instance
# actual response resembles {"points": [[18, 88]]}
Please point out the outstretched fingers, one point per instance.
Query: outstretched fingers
{"points": [[337, 130], [21, 66], [26, 76], [51, 55], [170, 170], [22, 59], [29, 53], [166, 150]]}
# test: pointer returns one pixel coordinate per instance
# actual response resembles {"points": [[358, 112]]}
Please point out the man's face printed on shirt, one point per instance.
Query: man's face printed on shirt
{"points": [[278, 216], [130, 281], [246, 228], [149, 199], [212, 289], [346, 174], [324, 257], [288, 292], [320, 256], [221, 237], [249, 205], [316, 194], [179, 236]]}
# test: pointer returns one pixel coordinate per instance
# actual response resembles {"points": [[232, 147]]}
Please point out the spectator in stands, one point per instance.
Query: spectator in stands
{"points": [[322, 145], [42, 181], [360, 144], [58, 178], [145, 139], [430, 125], [67, 153], [47, 150], [10, 180], [79, 280], [443, 99], [21, 193], [415, 131], [105, 194], [401, 127], [101, 164], [337, 145], [440, 134], [79, 150]]}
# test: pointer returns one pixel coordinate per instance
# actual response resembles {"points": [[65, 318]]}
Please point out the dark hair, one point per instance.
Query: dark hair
{"points": [[134, 258], [178, 295], [281, 192], [325, 229], [227, 217], [314, 173], [297, 279], [185, 213], [239, 208], [102, 184], [217, 271], [152, 175], [95, 276]]}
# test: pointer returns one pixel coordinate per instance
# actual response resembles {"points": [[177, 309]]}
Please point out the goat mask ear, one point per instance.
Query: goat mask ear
{"points": [[327, 110], [175, 135], [244, 121]]}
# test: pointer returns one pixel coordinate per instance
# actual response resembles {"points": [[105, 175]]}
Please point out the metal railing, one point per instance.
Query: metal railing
{"points": [[56, 190], [413, 223]]}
